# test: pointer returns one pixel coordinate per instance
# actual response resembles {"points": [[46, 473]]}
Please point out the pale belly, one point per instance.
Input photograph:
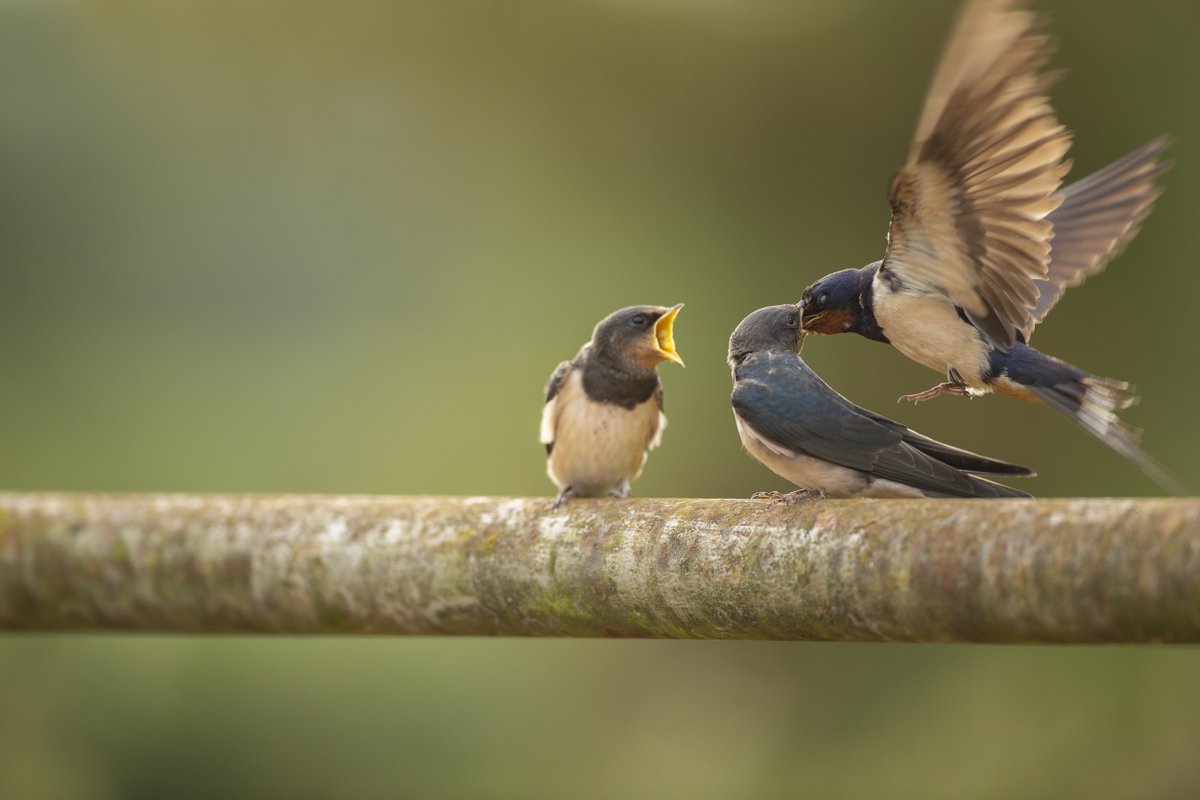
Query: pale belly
{"points": [[599, 445], [927, 329]]}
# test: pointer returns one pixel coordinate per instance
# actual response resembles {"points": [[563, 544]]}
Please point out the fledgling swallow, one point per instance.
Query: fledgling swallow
{"points": [[983, 242], [804, 431], [604, 408]]}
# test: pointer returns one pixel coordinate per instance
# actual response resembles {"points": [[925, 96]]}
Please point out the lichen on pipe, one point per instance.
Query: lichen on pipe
{"points": [[1088, 570]]}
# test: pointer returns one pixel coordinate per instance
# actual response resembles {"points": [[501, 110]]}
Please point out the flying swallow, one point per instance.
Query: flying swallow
{"points": [[983, 241], [604, 408], [804, 431]]}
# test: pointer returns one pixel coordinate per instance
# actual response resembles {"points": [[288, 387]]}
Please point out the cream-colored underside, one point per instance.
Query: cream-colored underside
{"points": [[927, 329], [597, 445], [807, 472]]}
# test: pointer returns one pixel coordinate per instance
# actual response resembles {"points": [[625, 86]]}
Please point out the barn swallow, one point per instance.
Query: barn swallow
{"points": [[604, 408], [983, 242], [804, 431]]}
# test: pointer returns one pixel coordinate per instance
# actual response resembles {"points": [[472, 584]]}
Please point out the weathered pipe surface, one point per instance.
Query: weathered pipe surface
{"points": [[858, 570]]}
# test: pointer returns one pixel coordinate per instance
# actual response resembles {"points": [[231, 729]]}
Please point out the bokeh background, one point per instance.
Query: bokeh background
{"points": [[268, 246]]}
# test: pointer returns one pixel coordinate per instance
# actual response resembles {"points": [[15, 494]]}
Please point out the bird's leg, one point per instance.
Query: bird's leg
{"points": [[622, 491], [805, 494], [956, 386], [563, 496], [929, 394], [791, 497]]}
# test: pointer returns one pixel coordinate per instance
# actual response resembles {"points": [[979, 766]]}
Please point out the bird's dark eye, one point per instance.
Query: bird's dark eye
{"points": [[639, 320], [822, 299], [792, 321]]}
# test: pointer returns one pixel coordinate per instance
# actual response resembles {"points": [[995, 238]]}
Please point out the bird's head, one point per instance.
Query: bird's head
{"points": [[774, 329], [832, 305], [638, 337]]}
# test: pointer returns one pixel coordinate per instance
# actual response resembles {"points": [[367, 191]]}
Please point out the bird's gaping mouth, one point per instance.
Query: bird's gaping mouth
{"points": [[664, 335], [808, 319]]}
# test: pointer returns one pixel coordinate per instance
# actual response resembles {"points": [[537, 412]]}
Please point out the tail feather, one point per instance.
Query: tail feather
{"points": [[1092, 403], [1112, 394], [986, 488], [965, 459]]}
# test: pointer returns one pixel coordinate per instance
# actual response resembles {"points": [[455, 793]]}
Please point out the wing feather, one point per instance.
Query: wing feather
{"points": [[550, 410], [970, 207], [1098, 217], [791, 410]]}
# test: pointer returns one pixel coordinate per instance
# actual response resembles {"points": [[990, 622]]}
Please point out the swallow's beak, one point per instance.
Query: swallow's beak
{"points": [[807, 319], [802, 333], [664, 335]]}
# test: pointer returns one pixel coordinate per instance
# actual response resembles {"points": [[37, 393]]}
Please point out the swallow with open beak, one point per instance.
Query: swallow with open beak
{"points": [[983, 242], [804, 431], [604, 408]]}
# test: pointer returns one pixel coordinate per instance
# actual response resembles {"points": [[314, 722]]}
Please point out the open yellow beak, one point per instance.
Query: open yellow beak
{"points": [[664, 335]]}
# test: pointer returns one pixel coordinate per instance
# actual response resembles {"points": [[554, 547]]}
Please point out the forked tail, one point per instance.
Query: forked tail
{"points": [[1092, 403]]}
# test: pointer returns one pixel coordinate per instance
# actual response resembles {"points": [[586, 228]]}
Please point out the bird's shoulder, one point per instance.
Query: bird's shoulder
{"points": [[781, 398], [558, 378], [784, 382]]}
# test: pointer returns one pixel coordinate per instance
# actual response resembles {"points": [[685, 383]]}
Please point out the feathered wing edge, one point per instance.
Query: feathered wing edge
{"points": [[1098, 217], [969, 208]]}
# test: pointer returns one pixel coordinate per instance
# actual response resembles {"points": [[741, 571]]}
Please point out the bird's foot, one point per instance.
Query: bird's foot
{"points": [[954, 385], [563, 496], [622, 491], [950, 387], [791, 497]]}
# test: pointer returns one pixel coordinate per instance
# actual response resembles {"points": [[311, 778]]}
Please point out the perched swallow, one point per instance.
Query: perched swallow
{"points": [[983, 242], [604, 408], [804, 431]]}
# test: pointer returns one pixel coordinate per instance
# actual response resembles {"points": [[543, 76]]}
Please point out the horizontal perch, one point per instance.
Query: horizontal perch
{"points": [[856, 570]]}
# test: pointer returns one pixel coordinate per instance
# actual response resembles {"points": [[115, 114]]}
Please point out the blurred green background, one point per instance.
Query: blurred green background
{"points": [[267, 246]]}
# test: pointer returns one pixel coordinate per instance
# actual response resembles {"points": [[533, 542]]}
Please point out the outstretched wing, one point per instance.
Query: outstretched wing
{"points": [[969, 207], [786, 404], [1098, 217]]}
